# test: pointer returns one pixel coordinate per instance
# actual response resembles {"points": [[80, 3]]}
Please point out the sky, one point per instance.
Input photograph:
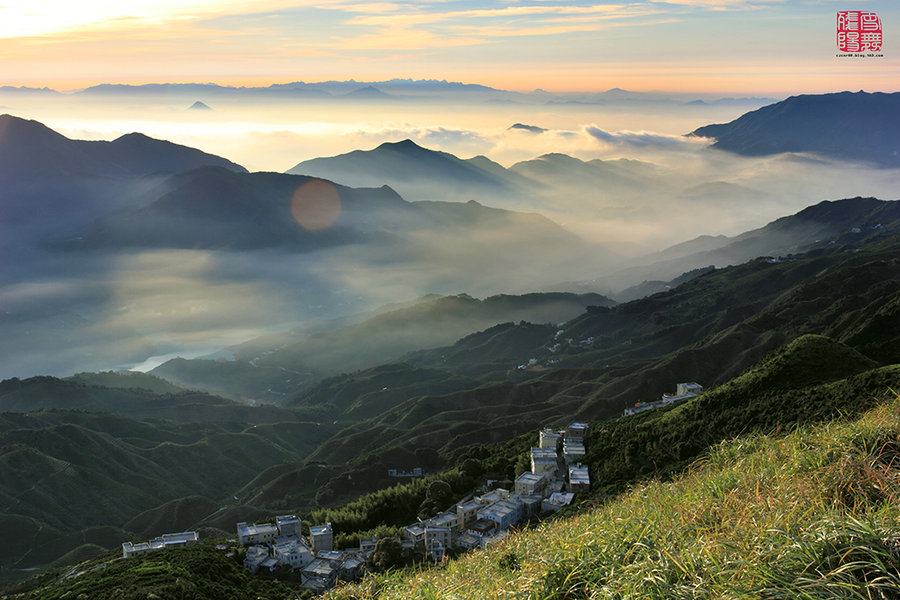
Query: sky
{"points": [[769, 47]]}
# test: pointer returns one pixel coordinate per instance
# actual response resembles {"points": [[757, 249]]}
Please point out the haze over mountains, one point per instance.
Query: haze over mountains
{"points": [[102, 235], [402, 306], [339, 437]]}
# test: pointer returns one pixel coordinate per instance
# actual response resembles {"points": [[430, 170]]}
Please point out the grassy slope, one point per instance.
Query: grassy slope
{"points": [[814, 514], [198, 573]]}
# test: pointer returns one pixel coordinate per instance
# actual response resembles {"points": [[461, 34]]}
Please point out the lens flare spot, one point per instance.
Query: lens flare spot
{"points": [[316, 205]]}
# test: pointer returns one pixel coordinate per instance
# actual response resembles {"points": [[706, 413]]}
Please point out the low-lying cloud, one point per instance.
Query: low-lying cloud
{"points": [[646, 139]]}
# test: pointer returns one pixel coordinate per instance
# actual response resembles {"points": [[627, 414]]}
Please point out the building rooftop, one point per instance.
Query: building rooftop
{"points": [[287, 519], [320, 529], [255, 528], [543, 453], [443, 520], [319, 568], [579, 475], [560, 498]]}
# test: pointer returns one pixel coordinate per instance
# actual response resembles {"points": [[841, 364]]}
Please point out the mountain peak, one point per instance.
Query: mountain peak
{"points": [[406, 145], [370, 92]]}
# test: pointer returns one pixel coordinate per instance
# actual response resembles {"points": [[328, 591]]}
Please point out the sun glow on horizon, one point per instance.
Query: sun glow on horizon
{"points": [[748, 47]]}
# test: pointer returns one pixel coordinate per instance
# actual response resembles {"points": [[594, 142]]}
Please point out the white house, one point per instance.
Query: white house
{"points": [[576, 429], [691, 387], [548, 439], [573, 450], [253, 533], [543, 460], [530, 483], [256, 555], [321, 537], [467, 512], [288, 525], [579, 479], [293, 553]]}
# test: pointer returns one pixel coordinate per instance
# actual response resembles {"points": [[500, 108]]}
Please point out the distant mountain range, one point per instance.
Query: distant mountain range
{"points": [[75, 215], [850, 126], [423, 174], [398, 90], [298, 88]]}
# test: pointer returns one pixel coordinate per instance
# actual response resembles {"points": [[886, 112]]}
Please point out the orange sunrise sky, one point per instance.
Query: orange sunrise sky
{"points": [[722, 46]]}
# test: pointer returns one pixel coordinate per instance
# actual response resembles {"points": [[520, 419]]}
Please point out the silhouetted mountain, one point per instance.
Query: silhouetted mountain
{"points": [[29, 148], [406, 165], [216, 209], [851, 126], [299, 89], [23, 90], [199, 106]]}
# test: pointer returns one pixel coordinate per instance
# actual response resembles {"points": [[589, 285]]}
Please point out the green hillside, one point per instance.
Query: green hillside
{"points": [[710, 329], [65, 474], [198, 573], [811, 515], [274, 368], [811, 380], [778, 344]]}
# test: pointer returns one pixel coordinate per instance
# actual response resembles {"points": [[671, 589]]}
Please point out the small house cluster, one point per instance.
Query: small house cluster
{"points": [[482, 520], [282, 545], [167, 540], [475, 522], [683, 391]]}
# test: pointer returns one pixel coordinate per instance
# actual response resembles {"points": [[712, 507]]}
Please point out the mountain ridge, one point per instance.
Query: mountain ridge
{"points": [[846, 125]]}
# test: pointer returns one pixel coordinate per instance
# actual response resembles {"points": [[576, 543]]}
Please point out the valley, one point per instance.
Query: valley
{"points": [[382, 322]]}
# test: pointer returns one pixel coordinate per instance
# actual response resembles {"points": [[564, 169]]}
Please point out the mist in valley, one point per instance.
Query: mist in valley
{"points": [[110, 271]]}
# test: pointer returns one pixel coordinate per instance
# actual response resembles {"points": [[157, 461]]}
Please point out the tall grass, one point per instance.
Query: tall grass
{"points": [[815, 514]]}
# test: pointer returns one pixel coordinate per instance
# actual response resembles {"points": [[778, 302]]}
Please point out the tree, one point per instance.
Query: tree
{"points": [[388, 554], [471, 468], [440, 491]]}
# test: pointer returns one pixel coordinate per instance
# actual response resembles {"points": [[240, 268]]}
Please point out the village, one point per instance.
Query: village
{"points": [[683, 391], [555, 477]]}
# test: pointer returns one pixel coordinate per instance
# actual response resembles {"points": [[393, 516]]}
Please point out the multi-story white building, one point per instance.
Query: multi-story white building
{"points": [[256, 533], [321, 537], [468, 512], [573, 450], [288, 525], [548, 439], [543, 460], [530, 483], [576, 429]]}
